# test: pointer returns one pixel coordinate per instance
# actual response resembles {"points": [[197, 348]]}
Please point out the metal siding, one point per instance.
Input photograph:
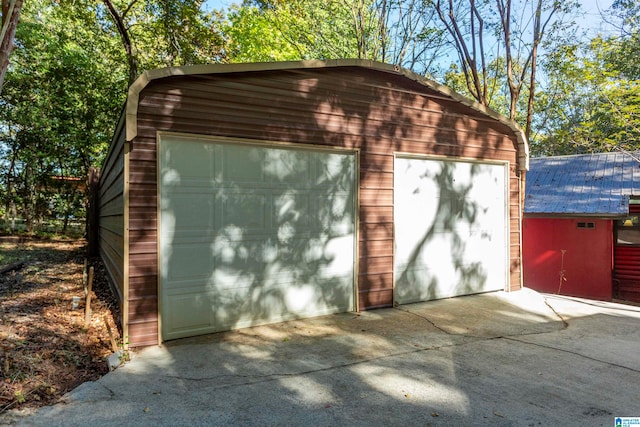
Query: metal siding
{"points": [[627, 266], [379, 113], [627, 273], [586, 263], [144, 332], [111, 215]]}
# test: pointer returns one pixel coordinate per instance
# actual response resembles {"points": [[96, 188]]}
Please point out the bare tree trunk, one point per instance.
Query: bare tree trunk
{"points": [[471, 52], [10, 17], [118, 19], [359, 24], [538, 29], [13, 216], [381, 49], [514, 88]]}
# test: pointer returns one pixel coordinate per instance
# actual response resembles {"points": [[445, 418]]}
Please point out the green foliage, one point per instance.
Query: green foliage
{"points": [[70, 70], [167, 33], [58, 105], [497, 87], [302, 29], [251, 37], [65, 89], [592, 102]]}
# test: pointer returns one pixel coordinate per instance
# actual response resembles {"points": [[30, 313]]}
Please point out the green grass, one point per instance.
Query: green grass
{"points": [[51, 229], [10, 253]]}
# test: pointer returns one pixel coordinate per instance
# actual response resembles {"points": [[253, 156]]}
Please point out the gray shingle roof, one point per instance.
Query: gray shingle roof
{"points": [[585, 184]]}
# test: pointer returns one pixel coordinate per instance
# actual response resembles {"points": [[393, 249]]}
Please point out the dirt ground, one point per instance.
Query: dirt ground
{"points": [[46, 347]]}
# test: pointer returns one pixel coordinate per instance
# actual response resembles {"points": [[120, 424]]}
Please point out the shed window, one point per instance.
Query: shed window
{"points": [[628, 231], [590, 225]]}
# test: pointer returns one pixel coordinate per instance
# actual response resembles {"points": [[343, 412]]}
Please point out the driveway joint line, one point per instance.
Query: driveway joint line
{"points": [[431, 322], [548, 304], [277, 376], [604, 362]]}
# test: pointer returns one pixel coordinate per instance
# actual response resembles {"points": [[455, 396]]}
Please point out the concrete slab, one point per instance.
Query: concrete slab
{"points": [[495, 359]]}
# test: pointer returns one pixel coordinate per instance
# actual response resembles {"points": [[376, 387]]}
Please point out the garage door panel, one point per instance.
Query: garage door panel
{"points": [[422, 283], [288, 167], [450, 228], [291, 208], [240, 163], [268, 300], [405, 289], [301, 253], [192, 310], [334, 171], [192, 159], [194, 213], [247, 210], [188, 262], [278, 248], [333, 214]]}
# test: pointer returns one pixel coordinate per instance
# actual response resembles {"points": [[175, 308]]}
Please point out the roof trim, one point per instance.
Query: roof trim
{"points": [[131, 109], [573, 215]]}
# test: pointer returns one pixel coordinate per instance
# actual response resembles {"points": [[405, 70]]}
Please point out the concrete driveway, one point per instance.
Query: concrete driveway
{"points": [[499, 359]]}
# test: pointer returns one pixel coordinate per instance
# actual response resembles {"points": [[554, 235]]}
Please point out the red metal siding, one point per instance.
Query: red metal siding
{"points": [[588, 255], [627, 268], [627, 273], [375, 112]]}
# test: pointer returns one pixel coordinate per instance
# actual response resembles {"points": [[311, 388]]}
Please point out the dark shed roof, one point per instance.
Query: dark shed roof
{"points": [[582, 185]]}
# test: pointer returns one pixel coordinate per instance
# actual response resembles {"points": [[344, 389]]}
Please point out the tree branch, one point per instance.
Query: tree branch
{"points": [[124, 37]]}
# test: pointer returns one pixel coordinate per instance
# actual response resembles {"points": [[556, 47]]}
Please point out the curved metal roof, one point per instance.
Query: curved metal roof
{"points": [[131, 108]]}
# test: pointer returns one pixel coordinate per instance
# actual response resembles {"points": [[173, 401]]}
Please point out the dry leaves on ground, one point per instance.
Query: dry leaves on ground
{"points": [[46, 349]]}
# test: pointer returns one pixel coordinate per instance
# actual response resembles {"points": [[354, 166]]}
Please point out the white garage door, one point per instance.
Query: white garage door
{"points": [[450, 228], [252, 234]]}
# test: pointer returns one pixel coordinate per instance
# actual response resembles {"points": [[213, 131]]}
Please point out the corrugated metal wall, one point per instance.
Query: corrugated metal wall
{"points": [[111, 213], [627, 268], [561, 257], [378, 113], [627, 273]]}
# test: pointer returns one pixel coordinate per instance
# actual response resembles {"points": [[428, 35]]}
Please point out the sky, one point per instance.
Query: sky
{"points": [[591, 20], [593, 15]]}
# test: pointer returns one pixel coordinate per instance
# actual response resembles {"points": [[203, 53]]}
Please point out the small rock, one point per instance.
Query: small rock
{"points": [[115, 360]]}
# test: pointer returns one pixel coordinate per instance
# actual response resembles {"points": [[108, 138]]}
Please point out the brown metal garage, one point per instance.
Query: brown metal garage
{"points": [[278, 184]]}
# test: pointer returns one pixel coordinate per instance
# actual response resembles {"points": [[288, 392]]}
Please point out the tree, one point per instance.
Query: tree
{"points": [[589, 106], [9, 22], [159, 33], [57, 111], [468, 43], [471, 28], [67, 83], [251, 37], [322, 30]]}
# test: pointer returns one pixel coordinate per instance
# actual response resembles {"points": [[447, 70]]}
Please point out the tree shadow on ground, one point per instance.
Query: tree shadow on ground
{"points": [[382, 367]]}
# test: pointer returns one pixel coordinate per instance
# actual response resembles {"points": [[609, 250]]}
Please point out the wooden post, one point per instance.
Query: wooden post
{"points": [[114, 344], [85, 273], [87, 304]]}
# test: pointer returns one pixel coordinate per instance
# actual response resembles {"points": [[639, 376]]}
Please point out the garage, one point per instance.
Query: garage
{"points": [[450, 229], [253, 234], [236, 195]]}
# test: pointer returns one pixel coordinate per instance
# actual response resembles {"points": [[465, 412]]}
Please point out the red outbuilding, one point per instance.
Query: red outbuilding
{"points": [[581, 235]]}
